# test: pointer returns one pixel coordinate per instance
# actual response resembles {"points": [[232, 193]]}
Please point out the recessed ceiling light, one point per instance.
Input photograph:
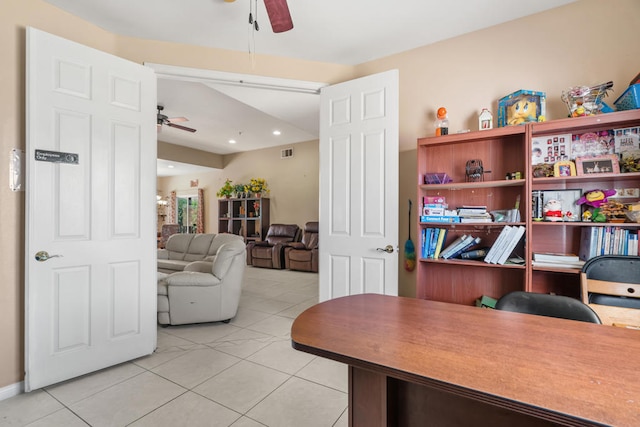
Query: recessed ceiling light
{"points": [[276, 132], [232, 141], [170, 166]]}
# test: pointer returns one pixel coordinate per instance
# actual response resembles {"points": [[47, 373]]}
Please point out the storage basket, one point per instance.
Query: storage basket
{"points": [[630, 99]]}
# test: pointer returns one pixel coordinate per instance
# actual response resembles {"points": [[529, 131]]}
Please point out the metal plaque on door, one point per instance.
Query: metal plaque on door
{"points": [[57, 157]]}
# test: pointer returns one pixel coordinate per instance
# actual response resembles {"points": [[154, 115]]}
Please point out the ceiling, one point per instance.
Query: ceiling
{"points": [[334, 31]]}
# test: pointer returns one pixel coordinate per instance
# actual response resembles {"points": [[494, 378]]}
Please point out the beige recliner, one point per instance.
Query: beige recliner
{"points": [[205, 291]]}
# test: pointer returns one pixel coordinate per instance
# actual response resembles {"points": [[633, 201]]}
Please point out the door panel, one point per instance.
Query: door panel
{"points": [[93, 303], [359, 186]]}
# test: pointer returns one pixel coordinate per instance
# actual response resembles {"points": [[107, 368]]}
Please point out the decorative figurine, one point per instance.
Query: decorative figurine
{"points": [[485, 120], [474, 171], [442, 125]]}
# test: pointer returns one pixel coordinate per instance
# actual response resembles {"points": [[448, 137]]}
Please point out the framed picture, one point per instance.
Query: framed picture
{"points": [[599, 165], [564, 168], [560, 205]]}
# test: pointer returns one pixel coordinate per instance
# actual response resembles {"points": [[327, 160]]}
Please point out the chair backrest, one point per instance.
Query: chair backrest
{"points": [[227, 253], [310, 235], [547, 305], [283, 233], [610, 284]]}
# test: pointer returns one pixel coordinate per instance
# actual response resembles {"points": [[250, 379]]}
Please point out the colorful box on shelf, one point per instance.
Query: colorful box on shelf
{"points": [[439, 218], [436, 178], [521, 107], [630, 99]]}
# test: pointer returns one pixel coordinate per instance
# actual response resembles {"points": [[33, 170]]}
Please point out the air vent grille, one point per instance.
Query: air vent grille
{"points": [[286, 153]]}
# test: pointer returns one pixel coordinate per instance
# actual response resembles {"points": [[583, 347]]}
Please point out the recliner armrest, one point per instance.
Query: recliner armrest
{"points": [[192, 278], [296, 245], [163, 254]]}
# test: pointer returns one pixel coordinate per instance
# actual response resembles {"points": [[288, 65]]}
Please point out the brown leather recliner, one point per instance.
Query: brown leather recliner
{"points": [[270, 252], [303, 255]]}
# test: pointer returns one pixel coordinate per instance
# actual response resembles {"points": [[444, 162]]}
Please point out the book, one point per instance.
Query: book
{"points": [[453, 244], [432, 243], [577, 264], [495, 248], [475, 254], [441, 239], [471, 219], [554, 257], [468, 244], [511, 244], [588, 243], [459, 247]]}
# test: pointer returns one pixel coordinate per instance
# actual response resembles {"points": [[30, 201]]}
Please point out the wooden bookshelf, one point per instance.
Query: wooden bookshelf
{"points": [[502, 151]]}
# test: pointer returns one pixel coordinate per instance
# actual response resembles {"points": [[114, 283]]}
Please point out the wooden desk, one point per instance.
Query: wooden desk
{"points": [[414, 362]]}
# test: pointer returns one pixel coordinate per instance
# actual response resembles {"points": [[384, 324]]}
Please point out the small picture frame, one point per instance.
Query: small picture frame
{"points": [[560, 205], [564, 168], [598, 165]]}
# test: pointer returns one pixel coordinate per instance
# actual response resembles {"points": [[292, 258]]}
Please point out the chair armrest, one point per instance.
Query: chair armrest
{"points": [[199, 266], [296, 245], [192, 278], [163, 254]]}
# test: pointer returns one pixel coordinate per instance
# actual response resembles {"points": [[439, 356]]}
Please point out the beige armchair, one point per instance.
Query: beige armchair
{"points": [[205, 291]]}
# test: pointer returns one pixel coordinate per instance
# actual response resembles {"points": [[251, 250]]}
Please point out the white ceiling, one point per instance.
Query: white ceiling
{"points": [[334, 31]]}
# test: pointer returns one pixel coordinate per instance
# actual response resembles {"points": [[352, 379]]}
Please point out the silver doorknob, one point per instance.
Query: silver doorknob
{"points": [[42, 256], [388, 249]]}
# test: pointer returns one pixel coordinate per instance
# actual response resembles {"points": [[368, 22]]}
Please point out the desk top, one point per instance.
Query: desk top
{"points": [[569, 372]]}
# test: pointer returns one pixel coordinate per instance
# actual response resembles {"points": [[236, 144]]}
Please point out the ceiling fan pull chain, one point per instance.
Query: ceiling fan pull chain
{"points": [[255, 23]]}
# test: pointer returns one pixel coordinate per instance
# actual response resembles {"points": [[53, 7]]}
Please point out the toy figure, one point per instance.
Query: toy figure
{"points": [[595, 198], [442, 125], [553, 211], [523, 110]]}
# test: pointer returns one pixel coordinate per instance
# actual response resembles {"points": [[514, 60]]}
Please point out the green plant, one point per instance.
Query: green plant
{"points": [[238, 188], [226, 190]]}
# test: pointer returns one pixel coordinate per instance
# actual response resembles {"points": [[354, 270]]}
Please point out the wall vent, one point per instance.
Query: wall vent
{"points": [[286, 153]]}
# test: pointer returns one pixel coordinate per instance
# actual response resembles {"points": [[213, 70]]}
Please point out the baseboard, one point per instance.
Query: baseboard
{"points": [[11, 390]]}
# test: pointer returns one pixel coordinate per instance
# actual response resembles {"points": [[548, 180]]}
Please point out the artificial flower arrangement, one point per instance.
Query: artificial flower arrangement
{"points": [[257, 185], [226, 190]]}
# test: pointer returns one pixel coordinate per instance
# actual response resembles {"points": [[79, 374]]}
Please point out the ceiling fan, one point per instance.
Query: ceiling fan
{"points": [[279, 15], [171, 122]]}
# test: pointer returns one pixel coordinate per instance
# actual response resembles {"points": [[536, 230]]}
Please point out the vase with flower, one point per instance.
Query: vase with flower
{"points": [[256, 208], [258, 186]]}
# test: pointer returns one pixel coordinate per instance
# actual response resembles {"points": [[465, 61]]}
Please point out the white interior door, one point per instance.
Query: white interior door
{"points": [[359, 187], [90, 204]]}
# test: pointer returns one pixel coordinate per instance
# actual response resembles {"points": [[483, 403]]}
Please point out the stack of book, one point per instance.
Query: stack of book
{"points": [[461, 247], [607, 240], [504, 244], [556, 260], [432, 242], [435, 209], [474, 214]]}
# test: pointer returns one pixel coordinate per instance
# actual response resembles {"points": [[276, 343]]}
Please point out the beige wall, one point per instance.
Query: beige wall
{"points": [[589, 41], [293, 182]]}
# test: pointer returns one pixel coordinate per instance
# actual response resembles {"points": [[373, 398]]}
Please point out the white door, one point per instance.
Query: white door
{"points": [[90, 201], [359, 187]]}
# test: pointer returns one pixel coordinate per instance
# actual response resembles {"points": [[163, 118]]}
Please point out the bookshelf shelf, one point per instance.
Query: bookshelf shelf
{"points": [[504, 151]]}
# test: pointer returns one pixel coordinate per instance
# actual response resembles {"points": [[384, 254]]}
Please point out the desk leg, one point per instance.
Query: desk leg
{"points": [[367, 398]]}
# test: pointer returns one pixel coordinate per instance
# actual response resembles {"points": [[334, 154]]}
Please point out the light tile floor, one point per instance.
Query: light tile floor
{"points": [[241, 374]]}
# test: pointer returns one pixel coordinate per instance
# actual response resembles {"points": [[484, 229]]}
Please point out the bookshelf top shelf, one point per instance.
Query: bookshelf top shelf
{"points": [[471, 185]]}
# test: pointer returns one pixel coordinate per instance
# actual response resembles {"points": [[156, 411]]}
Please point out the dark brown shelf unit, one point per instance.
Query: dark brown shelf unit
{"points": [[238, 216]]}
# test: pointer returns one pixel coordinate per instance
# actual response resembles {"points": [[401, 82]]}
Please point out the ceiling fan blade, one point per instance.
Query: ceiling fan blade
{"points": [[279, 15], [178, 119], [180, 127]]}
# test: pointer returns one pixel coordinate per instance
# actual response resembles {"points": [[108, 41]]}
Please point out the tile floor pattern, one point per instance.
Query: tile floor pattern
{"points": [[241, 374]]}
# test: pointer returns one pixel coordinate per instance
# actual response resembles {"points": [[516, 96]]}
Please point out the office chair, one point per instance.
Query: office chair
{"points": [[547, 305], [610, 285]]}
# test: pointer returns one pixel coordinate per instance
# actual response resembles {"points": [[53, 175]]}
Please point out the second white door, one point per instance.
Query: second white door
{"points": [[359, 187]]}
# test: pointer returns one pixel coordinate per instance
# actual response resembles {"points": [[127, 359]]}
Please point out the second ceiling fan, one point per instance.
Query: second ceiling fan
{"points": [[164, 120]]}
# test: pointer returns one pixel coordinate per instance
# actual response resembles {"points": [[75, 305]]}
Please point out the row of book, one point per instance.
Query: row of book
{"points": [[608, 240], [504, 245], [433, 240], [439, 212]]}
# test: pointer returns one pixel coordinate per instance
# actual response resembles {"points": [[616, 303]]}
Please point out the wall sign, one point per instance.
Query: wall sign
{"points": [[57, 157]]}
